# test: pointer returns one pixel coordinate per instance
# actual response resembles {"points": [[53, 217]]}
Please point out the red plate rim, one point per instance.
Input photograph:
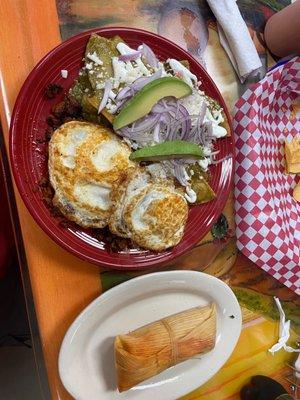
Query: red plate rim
{"points": [[128, 262]]}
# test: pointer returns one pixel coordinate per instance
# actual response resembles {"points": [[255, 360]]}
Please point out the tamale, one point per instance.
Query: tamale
{"points": [[153, 348]]}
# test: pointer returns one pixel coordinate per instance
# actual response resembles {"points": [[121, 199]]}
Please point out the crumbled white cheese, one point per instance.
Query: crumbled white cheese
{"points": [[100, 75], [91, 72], [124, 49], [89, 65], [128, 66], [204, 163], [119, 69], [86, 90], [162, 68], [112, 95], [193, 102], [190, 195], [100, 86], [206, 151], [93, 57], [123, 74], [111, 108], [187, 76], [64, 73], [284, 332]]}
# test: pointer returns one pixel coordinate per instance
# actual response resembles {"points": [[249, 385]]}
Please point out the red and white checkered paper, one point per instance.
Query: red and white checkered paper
{"points": [[267, 216]]}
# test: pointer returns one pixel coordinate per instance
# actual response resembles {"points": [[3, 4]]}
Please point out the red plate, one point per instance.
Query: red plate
{"points": [[29, 158]]}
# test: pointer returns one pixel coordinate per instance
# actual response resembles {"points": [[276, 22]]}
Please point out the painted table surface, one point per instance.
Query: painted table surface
{"points": [[63, 285]]}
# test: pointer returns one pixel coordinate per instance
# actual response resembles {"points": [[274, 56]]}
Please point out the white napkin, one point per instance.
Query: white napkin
{"points": [[284, 332], [235, 38]]}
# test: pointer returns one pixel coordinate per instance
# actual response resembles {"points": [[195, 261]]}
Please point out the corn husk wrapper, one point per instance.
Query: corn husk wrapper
{"points": [[153, 348]]}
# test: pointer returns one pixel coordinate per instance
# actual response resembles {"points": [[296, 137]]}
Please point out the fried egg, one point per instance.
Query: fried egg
{"points": [[86, 162], [149, 210], [135, 181]]}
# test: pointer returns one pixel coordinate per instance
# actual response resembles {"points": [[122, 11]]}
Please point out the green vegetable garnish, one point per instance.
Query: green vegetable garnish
{"points": [[142, 103], [167, 150]]}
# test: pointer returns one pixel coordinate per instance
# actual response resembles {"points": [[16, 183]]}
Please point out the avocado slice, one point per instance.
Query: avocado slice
{"points": [[141, 104], [167, 150]]}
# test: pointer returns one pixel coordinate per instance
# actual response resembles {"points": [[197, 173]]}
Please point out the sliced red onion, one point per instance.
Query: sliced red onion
{"points": [[141, 126], [139, 138], [203, 136], [146, 123], [149, 55], [131, 56], [139, 83], [181, 127], [177, 109], [107, 89], [156, 133], [165, 118], [125, 92], [202, 113], [214, 162], [208, 129], [120, 103], [170, 120]]}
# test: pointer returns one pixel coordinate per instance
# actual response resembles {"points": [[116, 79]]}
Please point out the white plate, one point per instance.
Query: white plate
{"points": [[86, 359]]}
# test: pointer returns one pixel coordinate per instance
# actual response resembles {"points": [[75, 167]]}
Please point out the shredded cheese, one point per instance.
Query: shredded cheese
{"points": [[93, 57]]}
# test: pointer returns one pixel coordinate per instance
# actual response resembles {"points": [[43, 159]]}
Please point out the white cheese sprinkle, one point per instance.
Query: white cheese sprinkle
{"points": [[89, 66], [64, 73], [112, 95], [124, 49], [204, 163], [93, 57]]}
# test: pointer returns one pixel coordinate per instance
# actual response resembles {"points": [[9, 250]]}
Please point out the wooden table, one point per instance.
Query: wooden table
{"points": [[30, 33], [62, 285]]}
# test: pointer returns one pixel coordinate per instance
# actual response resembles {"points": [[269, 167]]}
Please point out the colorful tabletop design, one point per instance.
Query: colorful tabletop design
{"points": [[62, 285], [192, 25]]}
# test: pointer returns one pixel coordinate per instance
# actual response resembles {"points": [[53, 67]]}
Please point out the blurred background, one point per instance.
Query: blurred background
{"points": [[18, 372]]}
